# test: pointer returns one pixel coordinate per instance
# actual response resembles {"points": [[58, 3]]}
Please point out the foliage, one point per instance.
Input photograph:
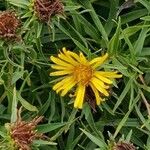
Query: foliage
{"points": [[93, 27]]}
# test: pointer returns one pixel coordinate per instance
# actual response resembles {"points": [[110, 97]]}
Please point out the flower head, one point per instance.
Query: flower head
{"points": [[82, 74], [9, 24], [23, 133], [45, 9], [124, 146]]}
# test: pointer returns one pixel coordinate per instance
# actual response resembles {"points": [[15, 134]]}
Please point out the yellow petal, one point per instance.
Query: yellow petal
{"points": [[67, 87], [59, 84], [109, 74], [98, 82], [98, 61], [74, 55], [97, 95], [60, 73], [64, 49], [60, 62], [102, 78], [58, 67], [79, 96], [82, 58], [100, 88], [67, 59]]}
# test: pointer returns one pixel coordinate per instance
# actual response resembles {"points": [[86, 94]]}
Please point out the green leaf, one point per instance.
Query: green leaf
{"points": [[95, 19], [145, 18], [70, 138], [144, 3], [43, 142], [14, 106], [139, 44], [113, 45], [112, 15], [90, 29], [26, 104], [97, 141], [46, 105], [128, 137], [141, 117], [132, 30], [16, 76], [123, 94], [39, 27], [71, 8], [27, 15], [49, 127], [77, 38], [133, 15], [21, 3], [122, 122]]}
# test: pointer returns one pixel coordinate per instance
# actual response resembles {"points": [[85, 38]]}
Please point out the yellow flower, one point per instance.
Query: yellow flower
{"points": [[80, 73]]}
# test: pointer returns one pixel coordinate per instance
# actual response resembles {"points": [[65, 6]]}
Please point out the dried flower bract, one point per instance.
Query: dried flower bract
{"points": [[124, 146], [9, 24], [23, 133], [45, 9]]}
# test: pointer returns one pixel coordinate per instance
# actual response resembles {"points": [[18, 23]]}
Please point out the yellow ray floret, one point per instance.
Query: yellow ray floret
{"points": [[79, 73]]}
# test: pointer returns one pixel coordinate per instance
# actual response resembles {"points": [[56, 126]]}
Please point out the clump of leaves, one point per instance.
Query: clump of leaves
{"points": [[94, 27]]}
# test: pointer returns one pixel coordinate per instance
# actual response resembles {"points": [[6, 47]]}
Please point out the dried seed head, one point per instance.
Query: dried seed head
{"points": [[90, 98], [9, 24], [23, 133], [45, 9], [124, 146]]}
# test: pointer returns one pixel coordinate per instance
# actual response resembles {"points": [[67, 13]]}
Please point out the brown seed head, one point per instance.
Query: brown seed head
{"points": [[124, 146], [45, 9], [90, 98], [9, 24], [23, 133]]}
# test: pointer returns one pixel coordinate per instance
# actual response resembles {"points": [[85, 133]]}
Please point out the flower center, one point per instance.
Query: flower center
{"points": [[83, 74]]}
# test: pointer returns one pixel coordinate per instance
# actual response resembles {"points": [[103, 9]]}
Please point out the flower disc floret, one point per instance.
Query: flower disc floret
{"points": [[83, 74]]}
